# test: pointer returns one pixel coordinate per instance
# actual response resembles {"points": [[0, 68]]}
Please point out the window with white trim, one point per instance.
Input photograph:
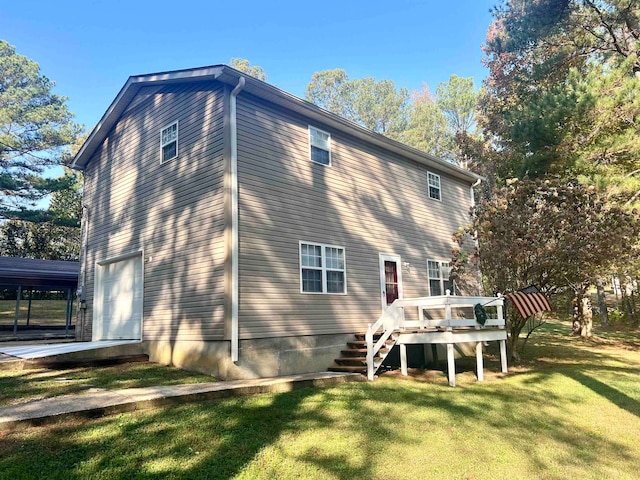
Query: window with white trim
{"points": [[322, 268], [320, 146], [169, 142], [439, 273], [434, 185]]}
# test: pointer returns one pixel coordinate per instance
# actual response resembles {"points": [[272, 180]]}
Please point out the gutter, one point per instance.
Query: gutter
{"points": [[233, 174]]}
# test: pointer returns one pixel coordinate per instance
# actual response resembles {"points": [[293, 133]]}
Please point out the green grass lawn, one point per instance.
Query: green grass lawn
{"points": [[18, 386], [570, 410], [43, 312]]}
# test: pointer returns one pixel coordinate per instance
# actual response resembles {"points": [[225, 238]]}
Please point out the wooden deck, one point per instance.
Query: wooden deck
{"points": [[444, 320]]}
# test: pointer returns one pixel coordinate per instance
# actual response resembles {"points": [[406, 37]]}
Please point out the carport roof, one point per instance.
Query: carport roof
{"points": [[30, 272]]}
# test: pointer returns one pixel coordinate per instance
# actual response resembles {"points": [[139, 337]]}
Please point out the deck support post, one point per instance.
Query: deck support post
{"points": [[503, 355], [403, 359], [451, 365], [479, 363]]}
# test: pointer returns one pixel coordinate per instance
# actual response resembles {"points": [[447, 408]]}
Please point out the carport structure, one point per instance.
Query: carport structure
{"points": [[39, 275]]}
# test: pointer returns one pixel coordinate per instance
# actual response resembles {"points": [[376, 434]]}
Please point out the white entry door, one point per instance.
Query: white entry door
{"points": [[390, 278], [117, 307]]}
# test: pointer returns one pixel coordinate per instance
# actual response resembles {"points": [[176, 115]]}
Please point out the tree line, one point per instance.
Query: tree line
{"points": [[560, 122], [37, 132], [428, 121]]}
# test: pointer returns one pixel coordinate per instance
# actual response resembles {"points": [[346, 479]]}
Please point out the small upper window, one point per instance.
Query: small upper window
{"points": [[169, 142], [434, 186], [320, 143]]}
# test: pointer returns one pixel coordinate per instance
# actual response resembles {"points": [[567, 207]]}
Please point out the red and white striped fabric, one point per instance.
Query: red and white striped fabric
{"points": [[529, 303]]}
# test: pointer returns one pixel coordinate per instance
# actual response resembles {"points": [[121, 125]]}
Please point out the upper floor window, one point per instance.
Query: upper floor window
{"points": [[169, 142], [434, 186], [439, 277], [320, 143], [322, 268]]}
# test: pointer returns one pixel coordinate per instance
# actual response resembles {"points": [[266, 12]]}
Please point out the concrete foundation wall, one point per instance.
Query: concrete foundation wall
{"points": [[270, 357]]}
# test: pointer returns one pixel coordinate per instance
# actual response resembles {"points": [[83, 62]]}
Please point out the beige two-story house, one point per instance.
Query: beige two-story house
{"points": [[234, 228]]}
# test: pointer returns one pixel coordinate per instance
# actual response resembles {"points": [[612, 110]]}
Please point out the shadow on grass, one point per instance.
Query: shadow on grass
{"points": [[25, 385], [223, 439], [614, 395], [212, 440]]}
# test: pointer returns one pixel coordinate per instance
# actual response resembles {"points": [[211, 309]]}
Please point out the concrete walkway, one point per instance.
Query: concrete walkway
{"points": [[31, 350], [109, 402]]}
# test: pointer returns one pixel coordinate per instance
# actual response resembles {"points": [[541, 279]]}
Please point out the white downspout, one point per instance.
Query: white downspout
{"points": [[83, 284], [234, 220], [473, 195], [475, 233], [473, 206]]}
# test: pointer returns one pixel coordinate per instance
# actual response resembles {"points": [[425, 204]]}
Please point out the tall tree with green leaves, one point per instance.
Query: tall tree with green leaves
{"points": [[375, 104], [562, 93], [56, 234], [458, 100], [419, 119], [245, 66], [35, 129], [428, 129], [331, 90]]}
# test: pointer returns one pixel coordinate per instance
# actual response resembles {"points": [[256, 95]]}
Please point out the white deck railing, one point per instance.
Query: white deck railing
{"points": [[390, 321], [393, 319]]}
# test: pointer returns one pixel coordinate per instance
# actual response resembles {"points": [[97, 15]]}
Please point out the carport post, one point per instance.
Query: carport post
{"points": [[29, 309], [15, 320], [68, 317]]}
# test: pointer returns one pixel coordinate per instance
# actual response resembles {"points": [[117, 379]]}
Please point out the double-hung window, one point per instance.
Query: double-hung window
{"points": [[169, 142], [320, 146], [439, 273], [433, 180], [322, 268]]}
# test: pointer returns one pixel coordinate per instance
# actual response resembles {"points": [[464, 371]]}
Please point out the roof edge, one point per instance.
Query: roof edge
{"points": [[263, 90], [128, 91]]}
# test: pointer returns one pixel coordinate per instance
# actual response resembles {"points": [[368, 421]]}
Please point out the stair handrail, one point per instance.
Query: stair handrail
{"points": [[389, 321]]}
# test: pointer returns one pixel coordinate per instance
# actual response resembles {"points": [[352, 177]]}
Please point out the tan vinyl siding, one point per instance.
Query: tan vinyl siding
{"points": [[171, 211], [368, 201]]}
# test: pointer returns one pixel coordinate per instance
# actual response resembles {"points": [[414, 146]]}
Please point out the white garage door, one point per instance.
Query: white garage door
{"points": [[117, 310]]}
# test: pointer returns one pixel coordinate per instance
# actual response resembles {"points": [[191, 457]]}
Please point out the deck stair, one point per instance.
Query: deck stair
{"points": [[354, 358]]}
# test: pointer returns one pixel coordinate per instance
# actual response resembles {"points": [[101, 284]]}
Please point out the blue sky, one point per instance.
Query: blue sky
{"points": [[90, 47]]}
